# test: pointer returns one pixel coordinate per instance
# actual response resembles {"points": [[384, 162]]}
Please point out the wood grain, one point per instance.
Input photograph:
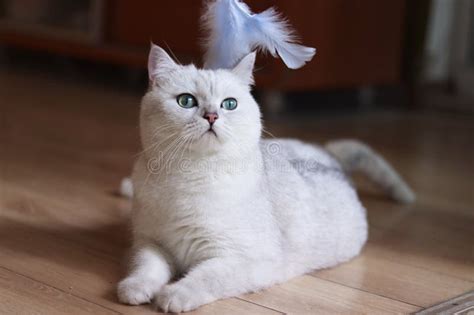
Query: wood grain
{"points": [[308, 295], [65, 145], [21, 295]]}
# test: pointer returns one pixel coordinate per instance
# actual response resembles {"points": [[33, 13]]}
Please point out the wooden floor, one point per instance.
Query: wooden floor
{"points": [[64, 148]]}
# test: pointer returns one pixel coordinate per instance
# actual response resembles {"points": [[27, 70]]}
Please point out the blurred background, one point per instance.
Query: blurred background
{"points": [[407, 54]]}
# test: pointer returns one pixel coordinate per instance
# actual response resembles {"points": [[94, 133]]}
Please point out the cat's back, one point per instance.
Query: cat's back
{"points": [[295, 149], [304, 174], [308, 160], [313, 200]]}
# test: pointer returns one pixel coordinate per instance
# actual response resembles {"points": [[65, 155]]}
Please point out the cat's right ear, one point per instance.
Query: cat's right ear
{"points": [[244, 69], [159, 63]]}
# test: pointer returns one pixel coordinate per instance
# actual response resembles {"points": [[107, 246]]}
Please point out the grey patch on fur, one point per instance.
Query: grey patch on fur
{"points": [[316, 167]]}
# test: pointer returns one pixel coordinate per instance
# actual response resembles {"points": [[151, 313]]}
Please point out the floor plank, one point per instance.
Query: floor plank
{"points": [[309, 295], [401, 282], [21, 295]]}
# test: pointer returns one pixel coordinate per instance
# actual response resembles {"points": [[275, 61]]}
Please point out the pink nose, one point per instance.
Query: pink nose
{"points": [[211, 117]]}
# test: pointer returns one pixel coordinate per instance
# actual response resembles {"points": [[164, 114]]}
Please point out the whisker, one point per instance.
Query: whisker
{"points": [[172, 54], [156, 144], [268, 133]]}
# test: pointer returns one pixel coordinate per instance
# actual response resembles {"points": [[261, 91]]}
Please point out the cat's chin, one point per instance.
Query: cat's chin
{"points": [[211, 138], [209, 142]]}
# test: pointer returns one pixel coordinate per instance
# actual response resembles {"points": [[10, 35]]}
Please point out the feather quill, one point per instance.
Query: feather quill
{"points": [[234, 31]]}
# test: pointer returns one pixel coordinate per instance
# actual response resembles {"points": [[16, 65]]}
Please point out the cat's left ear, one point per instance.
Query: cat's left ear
{"points": [[159, 63], [244, 69]]}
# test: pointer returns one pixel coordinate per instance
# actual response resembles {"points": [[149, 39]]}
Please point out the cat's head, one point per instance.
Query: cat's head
{"points": [[204, 111]]}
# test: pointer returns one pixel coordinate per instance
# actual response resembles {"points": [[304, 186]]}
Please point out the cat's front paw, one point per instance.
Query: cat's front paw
{"points": [[177, 298], [135, 291]]}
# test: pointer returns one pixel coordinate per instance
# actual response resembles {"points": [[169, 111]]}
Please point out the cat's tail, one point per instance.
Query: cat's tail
{"points": [[355, 156]]}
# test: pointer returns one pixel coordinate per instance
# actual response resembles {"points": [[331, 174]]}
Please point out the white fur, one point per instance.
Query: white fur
{"points": [[232, 213], [126, 187]]}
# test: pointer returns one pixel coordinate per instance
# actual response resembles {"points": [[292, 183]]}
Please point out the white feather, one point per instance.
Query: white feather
{"points": [[234, 31]]}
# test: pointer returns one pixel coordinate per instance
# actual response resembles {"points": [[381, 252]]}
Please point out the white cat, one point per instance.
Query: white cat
{"points": [[224, 212]]}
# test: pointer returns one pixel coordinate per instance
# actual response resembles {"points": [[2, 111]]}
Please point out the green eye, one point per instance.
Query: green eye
{"points": [[186, 100], [229, 103]]}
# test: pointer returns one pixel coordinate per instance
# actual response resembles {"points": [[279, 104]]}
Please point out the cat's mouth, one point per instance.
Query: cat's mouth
{"points": [[211, 131], [209, 134]]}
